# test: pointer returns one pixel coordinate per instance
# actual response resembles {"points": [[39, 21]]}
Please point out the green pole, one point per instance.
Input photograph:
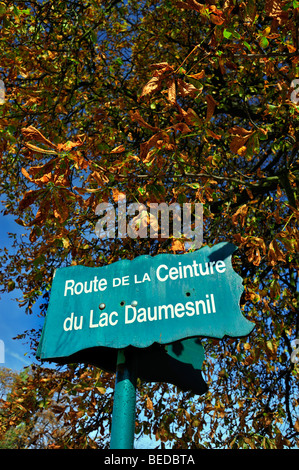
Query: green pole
{"points": [[124, 406]]}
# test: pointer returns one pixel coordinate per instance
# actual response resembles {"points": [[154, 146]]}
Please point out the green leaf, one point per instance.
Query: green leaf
{"points": [[236, 35], [264, 42], [227, 34]]}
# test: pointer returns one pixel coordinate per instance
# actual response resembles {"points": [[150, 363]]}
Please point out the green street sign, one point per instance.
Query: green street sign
{"points": [[149, 303]]}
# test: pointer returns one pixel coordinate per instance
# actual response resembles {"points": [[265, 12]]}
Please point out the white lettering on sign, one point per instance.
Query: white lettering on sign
{"points": [[178, 310], [143, 314], [88, 286], [163, 273], [190, 270]]}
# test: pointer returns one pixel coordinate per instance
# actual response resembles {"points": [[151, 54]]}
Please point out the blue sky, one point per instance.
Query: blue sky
{"points": [[13, 319]]}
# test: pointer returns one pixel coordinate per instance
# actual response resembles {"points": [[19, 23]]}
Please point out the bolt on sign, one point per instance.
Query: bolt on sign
{"points": [[159, 306]]}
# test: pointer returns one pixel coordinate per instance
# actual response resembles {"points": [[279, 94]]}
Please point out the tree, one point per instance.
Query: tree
{"points": [[163, 101]]}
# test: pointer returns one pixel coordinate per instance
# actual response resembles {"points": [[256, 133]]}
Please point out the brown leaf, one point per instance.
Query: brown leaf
{"points": [[118, 195], [198, 76], [119, 149], [216, 19], [41, 214], [153, 85], [69, 145], [35, 170], [31, 133], [36, 149], [187, 89], [241, 136], [211, 107], [164, 66], [100, 178], [275, 254], [61, 210], [150, 156], [29, 198], [135, 116], [212, 134], [241, 213], [240, 131], [80, 161], [172, 91], [146, 146], [191, 5], [182, 127]]}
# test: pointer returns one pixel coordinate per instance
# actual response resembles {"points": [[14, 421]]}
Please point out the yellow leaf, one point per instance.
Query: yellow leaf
{"points": [[197, 76], [149, 404], [177, 245], [119, 149]]}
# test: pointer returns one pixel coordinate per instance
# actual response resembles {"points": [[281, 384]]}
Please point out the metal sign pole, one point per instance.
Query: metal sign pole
{"points": [[124, 406]]}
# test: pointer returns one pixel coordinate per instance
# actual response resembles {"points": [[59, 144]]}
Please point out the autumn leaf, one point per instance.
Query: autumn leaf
{"points": [[29, 198], [212, 134], [31, 133], [36, 149], [241, 214], [119, 149], [149, 404], [117, 195], [99, 177], [135, 116], [60, 209], [153, 85], [182, 127], [191, 5], [216, 15], [177, 245], [41, 215], [211, 105], [240, 138], [197, 76], [187, 89], [68, 146], [146, 146], [171, 90], [275, 254], [80, 161]]}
